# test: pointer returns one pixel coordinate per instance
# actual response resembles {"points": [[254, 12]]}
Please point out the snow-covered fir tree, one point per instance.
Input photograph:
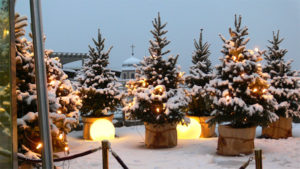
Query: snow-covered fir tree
{"points": [[284, 82], [157, 96], [63, 101], [200, 75], [98, 84], [240, 90]]}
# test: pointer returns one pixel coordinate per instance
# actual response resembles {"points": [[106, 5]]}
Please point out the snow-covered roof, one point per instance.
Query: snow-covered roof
{"points": [[76, 65], [129, 63]]}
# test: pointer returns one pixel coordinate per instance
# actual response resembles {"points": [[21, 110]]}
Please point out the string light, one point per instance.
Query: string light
{"points": [[67, 148], [243, 74], [256, 49], [251, 51], [60, 137], [59, 112], [181, 74], [52, 82], [233, 58], [39, 146], [255, 90], [264, 90], [157, 109], [227, 98]]}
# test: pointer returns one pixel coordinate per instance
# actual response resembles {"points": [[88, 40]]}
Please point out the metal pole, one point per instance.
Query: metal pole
{"points": [[13, 84], [41, 86], [105, 147], [258, 159]]}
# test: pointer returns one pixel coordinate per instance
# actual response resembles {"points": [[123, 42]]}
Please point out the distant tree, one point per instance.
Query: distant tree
{"points": [[200, 75], [284, 81]]}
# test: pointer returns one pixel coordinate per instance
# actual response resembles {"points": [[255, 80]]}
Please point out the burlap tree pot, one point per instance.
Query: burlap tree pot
{"points": [[235, 141], [206, 130], [282, 128], [160, 135], [87, 123]]}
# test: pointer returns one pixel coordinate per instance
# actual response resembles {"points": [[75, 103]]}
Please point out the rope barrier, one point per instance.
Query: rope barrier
{"points": [[22, 158], [120, 161], [245, 165]]}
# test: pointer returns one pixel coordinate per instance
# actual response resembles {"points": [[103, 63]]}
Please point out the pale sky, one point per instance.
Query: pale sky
{"points": [[71, 24]]}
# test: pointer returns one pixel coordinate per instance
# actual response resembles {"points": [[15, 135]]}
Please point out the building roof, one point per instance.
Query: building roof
{"points": [[129, 63]]}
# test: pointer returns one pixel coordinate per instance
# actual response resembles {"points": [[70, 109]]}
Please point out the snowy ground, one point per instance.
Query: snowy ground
{"points": [[188, 154]]}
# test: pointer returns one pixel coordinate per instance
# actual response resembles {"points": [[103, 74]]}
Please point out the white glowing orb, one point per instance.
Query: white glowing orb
{"points": [[192, 131], [102, 129]]}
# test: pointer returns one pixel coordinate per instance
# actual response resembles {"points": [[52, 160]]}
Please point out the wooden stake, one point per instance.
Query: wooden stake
{"points": [[105, 148], [258, 158]]}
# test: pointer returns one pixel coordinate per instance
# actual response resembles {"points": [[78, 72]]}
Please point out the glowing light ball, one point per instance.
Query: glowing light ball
{"points": [[102, 129], [190, 131]]}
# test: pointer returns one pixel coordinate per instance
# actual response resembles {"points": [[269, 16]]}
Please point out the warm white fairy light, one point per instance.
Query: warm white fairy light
{"points": [[256, 49], [52, 82], [67, 148], [255, 90], [39, 146], [59, 112], [264, 90], [60, 137]]}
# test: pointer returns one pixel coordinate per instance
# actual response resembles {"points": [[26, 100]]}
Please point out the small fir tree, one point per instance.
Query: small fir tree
{"points": [[284, 81], [60, 94], [240, 90], [200, 75], [158, 98], [98, 84]]}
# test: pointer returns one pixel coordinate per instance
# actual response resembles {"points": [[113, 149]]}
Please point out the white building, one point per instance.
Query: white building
{"points": [[128, 69]]}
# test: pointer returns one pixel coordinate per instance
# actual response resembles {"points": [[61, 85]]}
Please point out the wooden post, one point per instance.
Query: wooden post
{"points": [[105, 148], [258, 158]]}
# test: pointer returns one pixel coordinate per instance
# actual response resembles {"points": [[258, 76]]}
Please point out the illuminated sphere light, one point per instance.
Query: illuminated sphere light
{"points": [[102, 129], [190, 131]]}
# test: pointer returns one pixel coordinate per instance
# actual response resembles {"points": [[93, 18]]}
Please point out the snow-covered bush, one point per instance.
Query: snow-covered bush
{"points": [[157, 96], [284, 82], [98, 84], [240, 90]]}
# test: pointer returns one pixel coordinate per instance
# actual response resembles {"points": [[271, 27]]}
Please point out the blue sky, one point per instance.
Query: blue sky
{"points": [[71, 24]]}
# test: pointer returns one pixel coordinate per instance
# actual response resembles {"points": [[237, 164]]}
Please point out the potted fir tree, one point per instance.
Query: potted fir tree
{"points": [[240, 95], [98, 87], [199, 107], [157, 98], [284, 88]]}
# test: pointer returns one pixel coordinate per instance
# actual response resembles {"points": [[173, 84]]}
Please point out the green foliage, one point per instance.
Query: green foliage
{"points": [[201, 74], [284, 81], [157, 96], [240, 90], [99, 87]]}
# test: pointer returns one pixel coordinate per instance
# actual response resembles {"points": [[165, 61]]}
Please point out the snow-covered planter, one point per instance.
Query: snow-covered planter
{"points": [[160, 135], [206, 130], [282, 128], [88, 121], [235, 141]]}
